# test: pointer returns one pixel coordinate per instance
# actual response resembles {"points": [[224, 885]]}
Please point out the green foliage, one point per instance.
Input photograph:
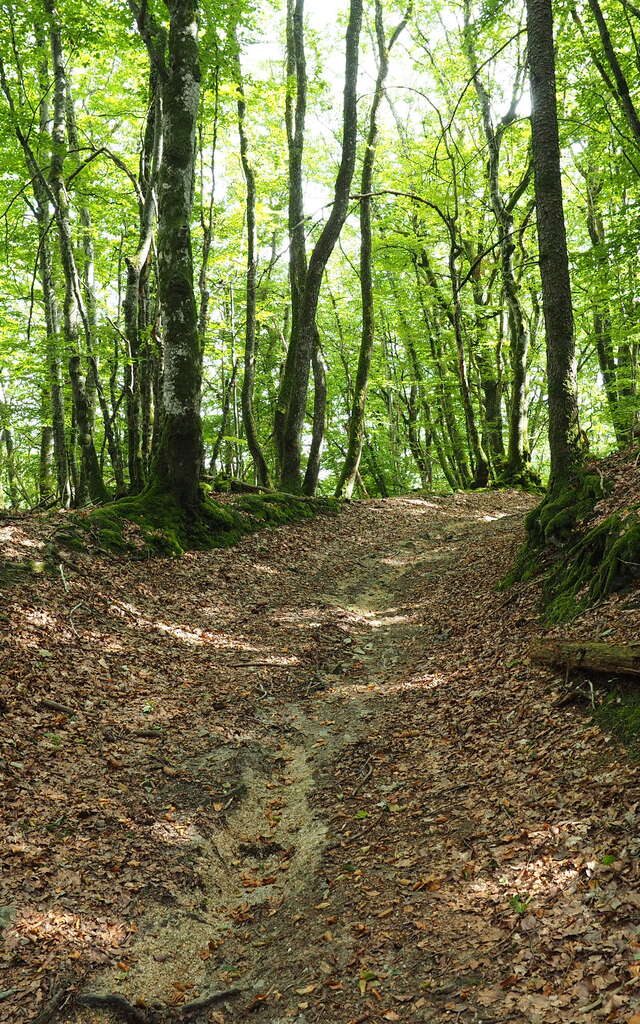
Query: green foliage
{"points": [[431, 186]]}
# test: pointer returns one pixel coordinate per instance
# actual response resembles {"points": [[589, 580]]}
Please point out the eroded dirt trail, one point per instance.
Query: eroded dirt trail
{"points": [[363, 804]]}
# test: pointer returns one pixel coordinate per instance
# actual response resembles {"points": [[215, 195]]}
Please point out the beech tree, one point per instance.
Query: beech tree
{"points": [[199, 294], [174, 57], [552, 239]]}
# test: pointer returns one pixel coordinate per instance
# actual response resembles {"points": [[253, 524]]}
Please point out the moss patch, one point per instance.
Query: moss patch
{"points": [[554, 522], [619, 713], [152, 523], [527, 480], [606, 559]]}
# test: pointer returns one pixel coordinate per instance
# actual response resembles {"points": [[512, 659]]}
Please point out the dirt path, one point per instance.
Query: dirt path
{"points": [[364, 806]]}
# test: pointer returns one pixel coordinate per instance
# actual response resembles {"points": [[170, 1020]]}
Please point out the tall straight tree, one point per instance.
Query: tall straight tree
{"points": [[503, 208], [250, 340], [552, 241], [175, 57], [292, 399], [349, 472]]}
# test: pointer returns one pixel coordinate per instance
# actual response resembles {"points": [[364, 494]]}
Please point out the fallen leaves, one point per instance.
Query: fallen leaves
{"points": [[482, 850]]}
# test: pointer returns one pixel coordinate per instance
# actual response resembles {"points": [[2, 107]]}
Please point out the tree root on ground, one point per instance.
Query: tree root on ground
{"points": [[133, 1013]]}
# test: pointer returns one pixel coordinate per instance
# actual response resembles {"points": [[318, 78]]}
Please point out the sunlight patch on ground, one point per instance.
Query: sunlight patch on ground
{"points": [[37, 617], [351, 690], [62, 927], [176, 833], [16, 540]]}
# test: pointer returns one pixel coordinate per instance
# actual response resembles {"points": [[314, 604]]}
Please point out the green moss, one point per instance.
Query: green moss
{"points": [[527, 480], [153, 522], [13, 572], [619, 714], [605, 560], [554, 522]]}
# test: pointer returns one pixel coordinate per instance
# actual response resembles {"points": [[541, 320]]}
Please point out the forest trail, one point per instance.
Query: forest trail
{"points": [[363, 805]]}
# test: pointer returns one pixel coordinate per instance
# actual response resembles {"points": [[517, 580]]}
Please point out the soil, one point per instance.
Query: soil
{"points": [[318, 768]]}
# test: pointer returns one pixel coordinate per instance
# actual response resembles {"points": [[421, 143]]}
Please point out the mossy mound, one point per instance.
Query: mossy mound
{"points": [[604, 560], [584, 538], [527, 480], [554, 522], [153, 523]]}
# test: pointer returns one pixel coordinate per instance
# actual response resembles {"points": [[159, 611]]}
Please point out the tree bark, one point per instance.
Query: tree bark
{"points": [[175, 57], [293, 398], [349, 472], [312, 471], [74, 313], [250, 343], [552, 241], [134, 306]]}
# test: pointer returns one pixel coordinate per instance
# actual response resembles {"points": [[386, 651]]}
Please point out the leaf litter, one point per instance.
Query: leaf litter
{"points": [[317, 768]]}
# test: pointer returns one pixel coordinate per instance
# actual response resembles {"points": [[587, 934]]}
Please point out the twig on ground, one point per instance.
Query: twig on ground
{"points": [[52, 1006], [63, 577], [55, 705], [365, 778]]}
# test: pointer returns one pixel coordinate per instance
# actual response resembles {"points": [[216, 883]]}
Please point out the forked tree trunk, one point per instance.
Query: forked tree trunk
{"points": [[293, 397]]}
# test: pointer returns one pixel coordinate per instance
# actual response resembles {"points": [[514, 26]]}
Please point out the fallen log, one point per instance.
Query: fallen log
{"points": [[617, 659]]}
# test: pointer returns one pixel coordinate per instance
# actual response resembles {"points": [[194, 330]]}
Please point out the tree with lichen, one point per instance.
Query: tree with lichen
{"points": [[174, 55]]}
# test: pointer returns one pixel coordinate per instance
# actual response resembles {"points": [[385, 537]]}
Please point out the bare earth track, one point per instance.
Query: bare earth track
{"points": [[318, 768]]}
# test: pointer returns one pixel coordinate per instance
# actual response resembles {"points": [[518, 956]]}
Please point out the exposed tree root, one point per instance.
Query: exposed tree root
{"points": [[134, 1014]]}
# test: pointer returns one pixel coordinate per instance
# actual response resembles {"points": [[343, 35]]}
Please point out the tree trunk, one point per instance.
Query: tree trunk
{"points": [[73, 310], [518, 445], [175, 57], [295, 113], [46, 484], [349, 472], [552, 241], [312, 471], [250, 345], [134, 306], [297, 368]]}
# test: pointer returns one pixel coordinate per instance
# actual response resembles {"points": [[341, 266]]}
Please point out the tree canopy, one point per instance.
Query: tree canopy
{"points": [[301, 247]]}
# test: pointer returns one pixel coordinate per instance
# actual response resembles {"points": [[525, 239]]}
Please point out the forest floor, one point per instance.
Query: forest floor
{"points": [[317, 768]]}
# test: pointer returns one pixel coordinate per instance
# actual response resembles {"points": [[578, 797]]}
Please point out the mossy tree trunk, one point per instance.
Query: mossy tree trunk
{"points": [[175, 57], [552, 241]]}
